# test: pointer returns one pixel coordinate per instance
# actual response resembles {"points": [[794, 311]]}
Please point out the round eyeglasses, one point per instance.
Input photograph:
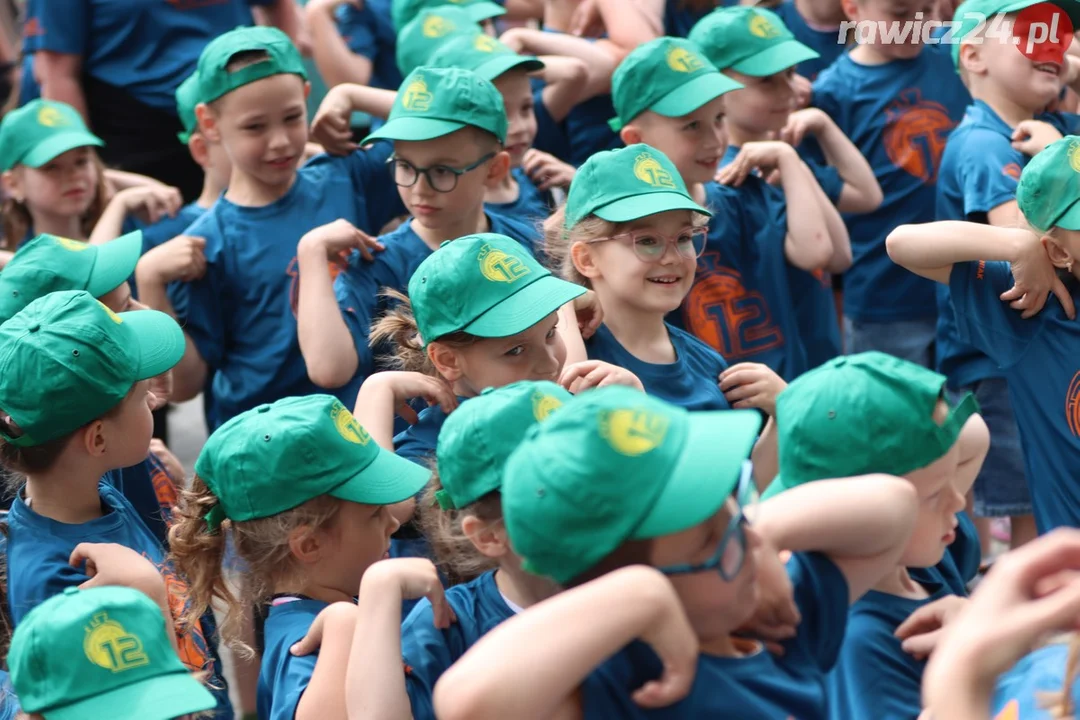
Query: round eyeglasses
{"points": [[440, 178], [650, 245]]}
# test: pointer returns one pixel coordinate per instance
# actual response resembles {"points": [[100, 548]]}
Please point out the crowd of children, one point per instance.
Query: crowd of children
{"points": [[574, 358]]}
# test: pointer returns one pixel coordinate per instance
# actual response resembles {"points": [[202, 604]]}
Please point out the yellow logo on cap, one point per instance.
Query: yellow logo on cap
{"points": [[50, 117], [112, 316], [648, 169], [498, 266], [436, 27], [347, 426], [543, 405], [108, 645], [682, 60], [633, 432], [1074, 155], [72, 245], [485, 43], [762, 28], [416, 97]]}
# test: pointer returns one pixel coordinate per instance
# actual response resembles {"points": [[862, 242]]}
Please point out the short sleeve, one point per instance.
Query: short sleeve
{"points": [[822, 95], [355, 26], [290, 682], [982, 319], [200, 309], [371, 180], [64, 26], [357, 299], [988, 175], [427, 653], [550, 134], [822, 596], [874, 680], [728, 222]]}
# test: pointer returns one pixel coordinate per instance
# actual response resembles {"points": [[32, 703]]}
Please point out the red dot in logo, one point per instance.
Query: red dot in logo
{"points": [[1042, 33]]}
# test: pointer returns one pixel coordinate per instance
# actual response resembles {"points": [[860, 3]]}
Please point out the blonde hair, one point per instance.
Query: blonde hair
{"points": [[397, 328], [263, 545], [455, 553]]}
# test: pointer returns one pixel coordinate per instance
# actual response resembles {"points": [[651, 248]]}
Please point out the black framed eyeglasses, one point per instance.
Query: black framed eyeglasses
{"points": [[441, 178], [731, 552]]}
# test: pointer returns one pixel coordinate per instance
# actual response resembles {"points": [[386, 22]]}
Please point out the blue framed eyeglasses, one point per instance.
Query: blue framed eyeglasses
{"points": [[731, 551]]}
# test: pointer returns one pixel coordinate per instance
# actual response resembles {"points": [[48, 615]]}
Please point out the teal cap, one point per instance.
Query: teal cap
{"points": [[483, 55], [402, 12], [1049, 191], [40, 131], [426, 33], [187, 98], [974, 14], [216, 80], [749, 40]]}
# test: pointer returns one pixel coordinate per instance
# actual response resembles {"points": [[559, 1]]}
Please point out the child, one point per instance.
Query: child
{"points": [[102, 652], [303, 492], [740, 303], [616, 479], [447, 130], [895, 419], [402, 12], [74, 405], [897, 101], [460, 512], [240, 316], [424, 35], [353, 44], [761, 111], [1034, 354], [818, 25]]}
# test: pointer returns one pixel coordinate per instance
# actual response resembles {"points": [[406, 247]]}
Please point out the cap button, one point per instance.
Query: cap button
{"points": [[263, 409], [35, 327], [71, 590]]}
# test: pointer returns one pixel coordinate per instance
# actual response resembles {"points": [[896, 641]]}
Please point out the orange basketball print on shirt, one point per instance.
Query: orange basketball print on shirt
{"points": [[1012, 170], [915, 134], [1072, 405]]}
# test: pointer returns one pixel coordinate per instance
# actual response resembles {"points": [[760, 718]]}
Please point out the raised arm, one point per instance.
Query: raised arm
{"points": [[931, 249]]}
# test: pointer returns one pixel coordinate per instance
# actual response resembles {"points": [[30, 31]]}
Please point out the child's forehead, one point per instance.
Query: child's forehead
{"points": [[458, 146], [272, 93]]}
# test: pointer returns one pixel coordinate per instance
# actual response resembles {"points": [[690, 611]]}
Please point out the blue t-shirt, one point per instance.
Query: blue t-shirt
{"points": [[980, 170], [241, 314], [428, 651], [760, 685], [9, 704], [151, 492], [899, 115], [417, 442], [1022, 692], [146, 47], [167, 228], [1038, 358], [531, 207], [679, 20], [369, 32], [691, 382], [551, 134], [741, 303], [283, 677], [825, 43], [37, 553]]}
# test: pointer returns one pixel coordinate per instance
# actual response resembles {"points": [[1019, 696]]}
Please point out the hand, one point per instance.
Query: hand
{"points": [[1034, 278], [329, 6], [586, 20], [751, 385], [589, 313], [762, 156], [803, 122], [514, 38], [169, 461], [342, 615], [547, 171], [776, 617], [416, 578], [804, 91], [408, 385], [340, 236], [151, 203], [922, 630], [1032, 136], [673, 639], [160, 390], [332, 126], [183, 258], [581, 376], [112, 564]]}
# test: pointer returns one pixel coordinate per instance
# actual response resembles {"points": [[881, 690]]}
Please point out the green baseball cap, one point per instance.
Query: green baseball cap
{"points": [[276, 457], [66, 360], [668, 76], [433, 102], [859, 414], [42, 130], [480, 435], [486, 285], [187, 97], [101, 652], [1049, 189], [402, 12], [614, 465], [973, 14], [49, 264], [426, 33], [626, 184], [750, 40], [216, 80], [483, 55]]}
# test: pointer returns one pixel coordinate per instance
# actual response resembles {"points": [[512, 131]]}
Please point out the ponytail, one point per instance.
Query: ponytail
{"points": [[454, 552], [397, 328]]}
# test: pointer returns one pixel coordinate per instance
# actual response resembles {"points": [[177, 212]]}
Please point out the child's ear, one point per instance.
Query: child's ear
{"points": [[94, 440], [305, 545], [630, 134], [584, 260], [1058, 255], [489, 538], [199, 152], [446, 361], [499, 169], [971, 59], [207, 122], [12, 185]]}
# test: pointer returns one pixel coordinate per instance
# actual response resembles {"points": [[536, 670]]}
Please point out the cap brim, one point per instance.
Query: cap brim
{"points": [[59, 144], [525, 308], [775, 59], [500, 64], [707, 473], [687, 98], [115, 263], [481, 11], [639, 206], [159, 339], [389, 479], [414, 129], [158, 698]]}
